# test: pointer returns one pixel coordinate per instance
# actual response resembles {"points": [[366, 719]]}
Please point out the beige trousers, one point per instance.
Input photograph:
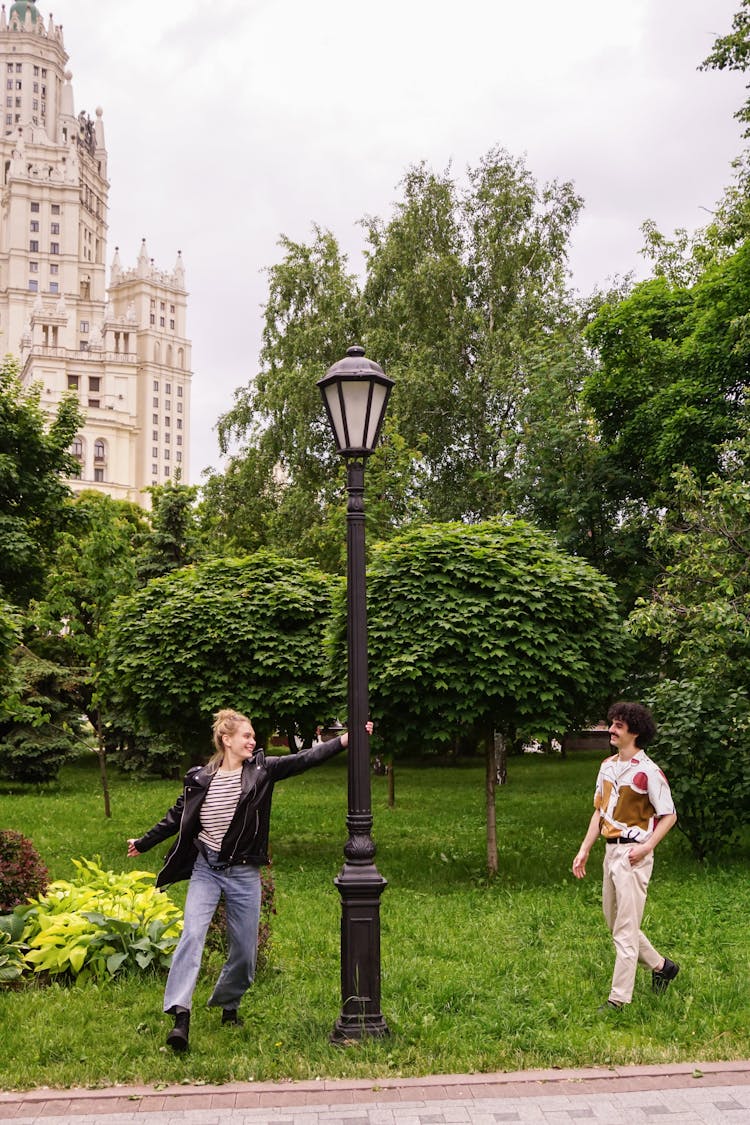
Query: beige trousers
{"points": [[624, 891]]}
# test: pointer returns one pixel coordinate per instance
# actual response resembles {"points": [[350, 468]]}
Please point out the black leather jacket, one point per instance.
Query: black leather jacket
{"points": [[246, 839]]}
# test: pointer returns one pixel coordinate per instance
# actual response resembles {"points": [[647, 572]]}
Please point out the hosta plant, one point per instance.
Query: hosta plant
{"points": [[12, 948], [100, 924]]}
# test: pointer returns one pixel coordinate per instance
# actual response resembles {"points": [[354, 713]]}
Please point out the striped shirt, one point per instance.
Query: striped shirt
{"points": [[219, 806]]}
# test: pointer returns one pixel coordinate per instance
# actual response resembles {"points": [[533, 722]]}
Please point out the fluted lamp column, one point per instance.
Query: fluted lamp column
{"points": [[355, 392]]}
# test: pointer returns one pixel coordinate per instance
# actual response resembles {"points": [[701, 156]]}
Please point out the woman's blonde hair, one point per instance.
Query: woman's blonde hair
{"points": [[225, 722]]}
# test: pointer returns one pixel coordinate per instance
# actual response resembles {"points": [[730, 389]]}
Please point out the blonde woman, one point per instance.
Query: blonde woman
{"points": [[221, 820]]}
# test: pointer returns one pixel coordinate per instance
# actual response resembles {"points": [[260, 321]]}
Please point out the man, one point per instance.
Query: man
{"points": [[633, 810]]}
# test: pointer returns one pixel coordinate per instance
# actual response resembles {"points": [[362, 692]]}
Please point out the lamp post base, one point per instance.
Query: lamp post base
{"points": [[360, 887]]}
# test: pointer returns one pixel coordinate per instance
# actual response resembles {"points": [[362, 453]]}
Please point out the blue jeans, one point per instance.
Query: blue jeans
{"points": [[241, 888]]}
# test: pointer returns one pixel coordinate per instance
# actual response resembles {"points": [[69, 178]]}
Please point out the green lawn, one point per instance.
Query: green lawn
{"points": [[476, 976]]}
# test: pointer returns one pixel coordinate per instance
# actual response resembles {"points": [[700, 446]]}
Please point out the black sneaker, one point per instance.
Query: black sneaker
{"points": [[660, 978], [229, 1015], [610, 1006]]}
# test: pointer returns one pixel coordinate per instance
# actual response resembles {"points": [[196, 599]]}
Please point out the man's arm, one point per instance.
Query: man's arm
{"points": [[663, 825], [592, 835]]}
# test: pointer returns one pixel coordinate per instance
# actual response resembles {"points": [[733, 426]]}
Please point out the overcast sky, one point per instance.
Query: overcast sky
{"points": [[230, 122]]}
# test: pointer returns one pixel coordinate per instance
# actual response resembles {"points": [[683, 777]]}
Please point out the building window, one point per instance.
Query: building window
{"points": [[54, 268], [83, 345], [167, 421], [19, 68], [9, 84], [73, 386], [34, 225], [167, 388], [179, 439], [152, 318], [44, 72], [54, 228], [167, 437], [84, 326], [168, 404], [55, 208], [34, 208], [94, 402], [18, 103], [155, 402], [154, 435], [171, 324], [156, 384], [179, 455], [9, 103], [155, 452], [33, 285], [98, 445], [34, 246], [95, 383], [98, 474], [166, 454], [166, 470], [19, 84], [179, 408], [179, 392], [155, 419], [161, 321], [10, 68], [54, 287], [179, 420], [77, 448], [9, 119], [54, 247], [34, 267]]}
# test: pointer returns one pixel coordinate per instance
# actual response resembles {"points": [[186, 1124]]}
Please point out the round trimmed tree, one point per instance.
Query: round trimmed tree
{"points": [[486, 630], [242, 633]]}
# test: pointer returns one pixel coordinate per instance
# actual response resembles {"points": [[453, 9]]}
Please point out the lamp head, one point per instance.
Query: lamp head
{"points": [[355, 393]]}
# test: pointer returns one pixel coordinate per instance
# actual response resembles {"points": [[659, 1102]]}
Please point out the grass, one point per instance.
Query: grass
{"points": [[476, 976]]}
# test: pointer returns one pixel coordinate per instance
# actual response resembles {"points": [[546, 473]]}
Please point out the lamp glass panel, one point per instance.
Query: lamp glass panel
{"points": [[334, 406], [356, 396], [376, 412]]}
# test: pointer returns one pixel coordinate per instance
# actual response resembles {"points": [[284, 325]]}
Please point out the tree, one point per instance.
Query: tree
{"points": [[732, 52], [311, 317], [698, 618], [244, 633], [481, 629], [172, 540], [93, 564], [465, 304], [34, 458]]}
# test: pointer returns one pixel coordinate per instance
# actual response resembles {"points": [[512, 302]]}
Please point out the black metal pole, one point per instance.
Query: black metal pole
{"points": [[359, 882]]}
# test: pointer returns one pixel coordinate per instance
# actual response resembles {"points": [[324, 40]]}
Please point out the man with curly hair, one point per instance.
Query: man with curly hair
{"points": [[633, 811]]}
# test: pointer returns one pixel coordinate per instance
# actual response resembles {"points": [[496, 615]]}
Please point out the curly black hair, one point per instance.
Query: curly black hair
{"points": [[638, 719]]}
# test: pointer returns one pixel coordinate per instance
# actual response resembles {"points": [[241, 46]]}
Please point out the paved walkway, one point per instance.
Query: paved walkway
{"points": [[679, 1094]]}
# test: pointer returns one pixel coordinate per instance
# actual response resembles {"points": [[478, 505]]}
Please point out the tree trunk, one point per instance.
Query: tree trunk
{"points": [[101, 751], [491, 778]]}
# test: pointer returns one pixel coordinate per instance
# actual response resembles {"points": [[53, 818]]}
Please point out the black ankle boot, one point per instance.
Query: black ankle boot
{"points": [[178, 1036], [229, 1015]]}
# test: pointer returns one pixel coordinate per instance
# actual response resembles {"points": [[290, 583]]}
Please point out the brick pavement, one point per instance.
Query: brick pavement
{"points": [[679, 1094]]}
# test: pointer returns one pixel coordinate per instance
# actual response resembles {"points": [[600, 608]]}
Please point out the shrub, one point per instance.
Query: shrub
{"points": [[22, 873], [100, 924], [703, 746]]}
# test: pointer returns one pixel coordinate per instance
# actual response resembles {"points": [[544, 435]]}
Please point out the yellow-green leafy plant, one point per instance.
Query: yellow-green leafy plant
{"points": [[100, 924]]}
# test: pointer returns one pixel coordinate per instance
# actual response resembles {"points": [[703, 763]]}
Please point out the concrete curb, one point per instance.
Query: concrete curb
{"points": [[452, 1087]]}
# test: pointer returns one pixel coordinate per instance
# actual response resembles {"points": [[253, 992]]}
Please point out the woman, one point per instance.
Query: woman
{"points": [[222, 821]]}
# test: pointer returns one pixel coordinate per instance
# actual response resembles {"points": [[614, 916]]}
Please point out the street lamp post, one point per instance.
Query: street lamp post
{"points": [[355, 392]]}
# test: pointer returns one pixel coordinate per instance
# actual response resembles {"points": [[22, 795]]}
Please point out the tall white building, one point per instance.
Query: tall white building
{"points": [[123, 351]]}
